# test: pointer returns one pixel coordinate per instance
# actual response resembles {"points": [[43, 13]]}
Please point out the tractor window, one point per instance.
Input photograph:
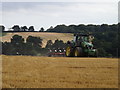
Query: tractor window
{"points": [[81, 38], [86, 39]]}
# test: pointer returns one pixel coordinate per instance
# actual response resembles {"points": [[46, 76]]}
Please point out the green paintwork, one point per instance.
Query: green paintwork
{"points": [[87, 47]]}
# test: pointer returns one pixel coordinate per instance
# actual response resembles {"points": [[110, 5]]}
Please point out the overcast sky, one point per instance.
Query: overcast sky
{"points": [[46, 14]]}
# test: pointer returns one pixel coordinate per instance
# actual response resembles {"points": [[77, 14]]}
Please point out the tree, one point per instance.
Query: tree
{"points": [[16, 28], [101, 52], [114, 27], [51, 27], [60, 28], [49, 44], [8, 49], [81, 27], [34, 45], [31, 28], [90, 27], [104, 27], [59, 44], [24, 28], [16, 39], [2, 28], [41, 29], [18, 43], [35, 41]]}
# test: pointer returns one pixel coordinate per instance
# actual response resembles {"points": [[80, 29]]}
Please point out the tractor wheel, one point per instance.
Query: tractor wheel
{"points": [[78, 52], [69, 51]]}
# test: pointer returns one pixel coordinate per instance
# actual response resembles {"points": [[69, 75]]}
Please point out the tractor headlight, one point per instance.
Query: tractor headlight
{"points": [[89, 47]]}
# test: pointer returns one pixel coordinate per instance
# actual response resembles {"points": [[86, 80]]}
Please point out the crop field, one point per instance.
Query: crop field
{"points": [[59, 72]]}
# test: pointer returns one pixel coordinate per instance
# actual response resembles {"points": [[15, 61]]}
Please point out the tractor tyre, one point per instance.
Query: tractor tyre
{"points": [[69, 51], [78, 52]]}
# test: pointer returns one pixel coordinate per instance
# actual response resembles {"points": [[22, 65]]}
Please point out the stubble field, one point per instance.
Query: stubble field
{"points": [[59, 72]]}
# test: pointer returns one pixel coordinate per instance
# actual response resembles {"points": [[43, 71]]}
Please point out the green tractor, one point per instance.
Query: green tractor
{"points": [[81, 46]]}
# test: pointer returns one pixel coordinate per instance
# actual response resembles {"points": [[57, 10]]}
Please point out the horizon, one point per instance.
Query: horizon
{"points": [[56, 25]]}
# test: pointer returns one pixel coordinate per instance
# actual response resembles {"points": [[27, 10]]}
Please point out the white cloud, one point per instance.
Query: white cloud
{"points": [[47, 14]]}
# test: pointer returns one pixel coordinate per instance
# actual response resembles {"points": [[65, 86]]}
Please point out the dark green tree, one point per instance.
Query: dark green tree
{"points": [[18, 43], [104, 27], [24, 28], [31, 28], [101, 52], [16, 28], [16, 39], [37, 41], [8, 49], [59, 44], [49, 44], [41, 29], [34, 45]]}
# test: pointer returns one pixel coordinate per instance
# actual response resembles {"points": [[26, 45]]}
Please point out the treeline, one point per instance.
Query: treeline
{"points": [[17, 28], [18, 46], [83, 28], [31, 46], [64, 29], [106, 36]]}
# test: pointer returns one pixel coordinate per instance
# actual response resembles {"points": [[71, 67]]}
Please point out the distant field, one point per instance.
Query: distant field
{"points": [[2, 34], [44, 35], [59, 72]]}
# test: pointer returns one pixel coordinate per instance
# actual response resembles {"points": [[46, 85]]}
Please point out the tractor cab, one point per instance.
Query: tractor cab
{"points": [[80, 39]]}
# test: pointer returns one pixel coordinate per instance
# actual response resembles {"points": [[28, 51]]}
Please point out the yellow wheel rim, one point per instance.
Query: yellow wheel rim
{"points": [[68, 51], [76, 53]]}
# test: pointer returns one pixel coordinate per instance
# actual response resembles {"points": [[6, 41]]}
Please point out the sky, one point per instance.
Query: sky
{"points": [[51, 13]]}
